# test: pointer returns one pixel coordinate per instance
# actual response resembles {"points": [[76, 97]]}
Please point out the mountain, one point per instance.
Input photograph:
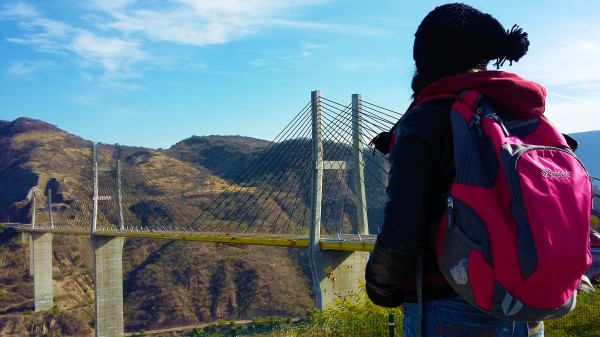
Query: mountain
{"points": [[589, 151], [166, 283], [225, 156]]}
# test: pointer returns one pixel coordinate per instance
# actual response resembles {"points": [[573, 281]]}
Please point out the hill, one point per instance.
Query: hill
{"points": [[166, 283], [224, 156], [589, 151]]}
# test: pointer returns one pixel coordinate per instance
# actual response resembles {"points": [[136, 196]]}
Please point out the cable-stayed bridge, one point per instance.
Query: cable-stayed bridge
{"points": [[269, 203], [318, 185]]}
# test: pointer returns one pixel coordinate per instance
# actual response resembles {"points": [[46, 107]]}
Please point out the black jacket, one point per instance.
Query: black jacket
{"points": [[421, 172]]}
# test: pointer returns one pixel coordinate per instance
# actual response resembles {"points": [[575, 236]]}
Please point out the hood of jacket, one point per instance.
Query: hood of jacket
{"points": [[523, 97]]}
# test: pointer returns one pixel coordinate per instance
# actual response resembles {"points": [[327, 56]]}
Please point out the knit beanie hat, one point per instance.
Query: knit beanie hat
{"points": [[455, 38]]}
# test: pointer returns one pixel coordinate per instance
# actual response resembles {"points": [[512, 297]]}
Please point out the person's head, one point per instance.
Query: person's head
{"points": [[457, 38]]}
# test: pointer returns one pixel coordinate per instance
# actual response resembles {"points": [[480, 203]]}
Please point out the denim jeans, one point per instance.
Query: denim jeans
{"points": [[454, 317]]}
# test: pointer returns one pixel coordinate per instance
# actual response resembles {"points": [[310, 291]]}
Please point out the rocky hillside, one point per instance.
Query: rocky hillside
{"points": [[166, 283], [224, 156]]}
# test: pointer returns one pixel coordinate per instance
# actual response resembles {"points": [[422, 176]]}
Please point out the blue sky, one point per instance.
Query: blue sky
{"points": [[151, 73]]}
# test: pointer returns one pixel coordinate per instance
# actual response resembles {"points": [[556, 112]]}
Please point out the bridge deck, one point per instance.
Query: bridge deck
{"points": [[345, 242]]}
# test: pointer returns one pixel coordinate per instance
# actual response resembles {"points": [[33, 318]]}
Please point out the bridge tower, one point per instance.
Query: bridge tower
{"points": [[336, 274], [40, 263], [108, 257]]}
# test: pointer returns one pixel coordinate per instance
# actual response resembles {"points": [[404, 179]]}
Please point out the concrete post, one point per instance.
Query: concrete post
{"points": [[314, 250], [24, 238], [119, 195], [108, 285], [42, 270], [33, 210], [94, 189], [358, 167], [50, 208]]}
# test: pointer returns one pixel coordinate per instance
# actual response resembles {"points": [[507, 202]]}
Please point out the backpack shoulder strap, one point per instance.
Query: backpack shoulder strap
{"points": [[467, 103], [471, 98]]}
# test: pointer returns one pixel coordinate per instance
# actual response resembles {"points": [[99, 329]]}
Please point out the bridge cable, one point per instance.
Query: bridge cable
{"points": [[251, 168], [264, 186]]}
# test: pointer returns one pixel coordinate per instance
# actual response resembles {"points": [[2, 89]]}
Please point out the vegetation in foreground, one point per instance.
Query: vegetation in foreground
{"points": [[358, 316]]}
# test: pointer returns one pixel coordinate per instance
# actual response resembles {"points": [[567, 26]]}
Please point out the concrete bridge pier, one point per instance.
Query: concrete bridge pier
{"points": [[41, 261], [26, 240], [108, 285], [337, 274]]}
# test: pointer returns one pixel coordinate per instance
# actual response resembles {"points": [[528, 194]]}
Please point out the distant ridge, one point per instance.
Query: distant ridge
{"points": [[589, 150]]}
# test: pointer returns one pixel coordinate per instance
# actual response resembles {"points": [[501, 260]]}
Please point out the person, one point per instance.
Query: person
{"points": [[452, 48]]}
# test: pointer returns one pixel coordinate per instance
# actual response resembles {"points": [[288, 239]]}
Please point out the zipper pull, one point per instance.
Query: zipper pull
{"points": [[449, 210], [476, 122], [498, 120]]}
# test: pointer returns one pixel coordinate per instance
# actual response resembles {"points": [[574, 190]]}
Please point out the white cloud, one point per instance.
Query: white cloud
{"points": [[83, 98], [573, 115], [310, 47], [114, 55], [205, 22], [23, 68], [17, 10], [113, 5], [120, 36], [564, 58], [566, 63], [369, 64]]}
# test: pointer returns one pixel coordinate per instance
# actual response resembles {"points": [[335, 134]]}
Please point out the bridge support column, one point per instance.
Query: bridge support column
{"points": [[26, 240], [41, 252], [338, 274], [108, 285]]}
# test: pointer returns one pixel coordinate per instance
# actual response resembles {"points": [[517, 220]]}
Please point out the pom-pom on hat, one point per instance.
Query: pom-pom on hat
{"points": [[456, 38]]}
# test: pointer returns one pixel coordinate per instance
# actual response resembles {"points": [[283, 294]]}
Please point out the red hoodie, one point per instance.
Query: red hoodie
{"points": [[524, 98]]}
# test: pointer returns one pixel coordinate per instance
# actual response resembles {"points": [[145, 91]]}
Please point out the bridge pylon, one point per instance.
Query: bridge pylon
{"points": [[108, 257], [40, 263], [336, 274]]}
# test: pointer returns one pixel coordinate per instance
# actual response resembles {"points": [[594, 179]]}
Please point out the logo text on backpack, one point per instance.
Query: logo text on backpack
{"points": [[555, 174]]}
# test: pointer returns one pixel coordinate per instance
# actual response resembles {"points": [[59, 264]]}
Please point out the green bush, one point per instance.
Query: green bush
{"points": [[584, 321], [357, 316], [354, 315]]}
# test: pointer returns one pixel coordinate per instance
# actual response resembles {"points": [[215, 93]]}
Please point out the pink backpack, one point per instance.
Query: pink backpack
{"points": [[515, 241]]}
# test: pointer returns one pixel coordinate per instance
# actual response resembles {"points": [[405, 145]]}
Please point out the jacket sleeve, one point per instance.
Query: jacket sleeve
{"points": [[413, 203]]}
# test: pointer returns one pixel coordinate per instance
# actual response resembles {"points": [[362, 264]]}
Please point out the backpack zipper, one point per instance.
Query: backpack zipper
{"points": [[498, 120], [484, 246], [476, 122], [449, 210]]}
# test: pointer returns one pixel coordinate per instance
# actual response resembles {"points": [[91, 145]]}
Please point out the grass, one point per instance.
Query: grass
{"points": [[357, 316]]}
